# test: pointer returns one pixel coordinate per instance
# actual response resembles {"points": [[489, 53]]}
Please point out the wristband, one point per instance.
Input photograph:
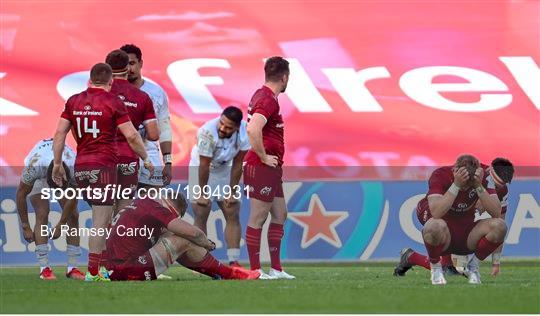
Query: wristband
{"points": [[167, 158], [454, 189], [480, 189]]}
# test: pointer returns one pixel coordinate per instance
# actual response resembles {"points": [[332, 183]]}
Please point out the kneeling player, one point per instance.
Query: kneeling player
{"points": [[447, 213], [500, 173], [148, 252]]}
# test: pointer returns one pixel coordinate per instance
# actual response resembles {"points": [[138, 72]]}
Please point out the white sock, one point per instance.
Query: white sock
{"points": [[233, 254], [42, 254], [73, 254]]}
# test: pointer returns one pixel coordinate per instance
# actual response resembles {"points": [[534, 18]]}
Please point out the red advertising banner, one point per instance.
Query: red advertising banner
{"points": [[373, 83]]}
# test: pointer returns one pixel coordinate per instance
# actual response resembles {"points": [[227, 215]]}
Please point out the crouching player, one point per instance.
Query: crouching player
{"points": [[499, 174], [158, 238], [447, 213]]}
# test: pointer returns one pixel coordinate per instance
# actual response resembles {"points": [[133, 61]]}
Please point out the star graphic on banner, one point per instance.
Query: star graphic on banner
{"points": [[318, 223]]}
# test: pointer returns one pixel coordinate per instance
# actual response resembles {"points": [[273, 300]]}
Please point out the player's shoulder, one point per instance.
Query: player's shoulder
{"points": [[152, 88], [210, 128]]}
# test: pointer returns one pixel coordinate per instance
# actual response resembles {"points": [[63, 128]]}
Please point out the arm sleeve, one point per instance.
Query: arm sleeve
{"points": [[205, 143], [149, 113], [67, 113], [267, 108], [437, 183]]}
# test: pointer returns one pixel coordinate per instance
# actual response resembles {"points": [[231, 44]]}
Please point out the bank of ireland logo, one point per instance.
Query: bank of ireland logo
{"points": [[335, 221]]}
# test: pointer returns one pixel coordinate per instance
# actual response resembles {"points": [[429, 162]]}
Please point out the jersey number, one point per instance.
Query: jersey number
{"points": [[94, 130]]}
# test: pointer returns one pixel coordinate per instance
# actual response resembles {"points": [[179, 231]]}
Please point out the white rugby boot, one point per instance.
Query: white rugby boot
{"points": [[265, 276], [437, 274], [280, 274], [473, 269]]}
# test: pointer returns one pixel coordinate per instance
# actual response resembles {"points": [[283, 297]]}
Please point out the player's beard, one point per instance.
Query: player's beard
{"points": [[132, 78]]}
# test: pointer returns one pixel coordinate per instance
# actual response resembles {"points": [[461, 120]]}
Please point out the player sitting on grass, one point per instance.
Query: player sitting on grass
{"points": [[500, 173], [143, 256], [447, 213]]}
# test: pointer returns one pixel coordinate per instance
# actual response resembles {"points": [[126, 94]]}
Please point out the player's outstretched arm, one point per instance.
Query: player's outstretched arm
{"points": [[165, 144], [136, 143], [254, 130], [204, 174], [22, 208], [195, 235]]}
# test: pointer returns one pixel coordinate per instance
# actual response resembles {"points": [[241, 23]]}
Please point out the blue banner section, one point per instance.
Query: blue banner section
{"points": [[357, 220]]}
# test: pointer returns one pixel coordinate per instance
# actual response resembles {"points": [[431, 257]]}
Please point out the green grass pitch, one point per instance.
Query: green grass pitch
{"points": [[319, 288]]}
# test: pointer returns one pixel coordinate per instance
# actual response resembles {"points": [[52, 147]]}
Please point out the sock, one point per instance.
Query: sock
{"points": [[419, 260], [104, 260], [42, 254], [233, 254], [275, 234], [434, 252], [73, 254], [485, 247], [208, 265], [446, 261], [253, 241], [93, 263]]}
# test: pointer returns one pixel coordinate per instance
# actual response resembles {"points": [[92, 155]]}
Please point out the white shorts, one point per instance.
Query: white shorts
{"points": [[38, 185], [144, 174], [218, 181]]}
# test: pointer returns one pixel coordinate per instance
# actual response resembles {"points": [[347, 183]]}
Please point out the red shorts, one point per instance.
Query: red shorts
{"points": [[96, 178], [459, 227], [128, 174], [135, 269], [263, 182]]}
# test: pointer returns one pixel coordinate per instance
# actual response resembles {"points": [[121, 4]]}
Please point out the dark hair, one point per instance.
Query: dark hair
{"points": [[132, 49], [51, 183], [274, 68], [503, 168], [233, 113], [118, 60], [100, 74]]}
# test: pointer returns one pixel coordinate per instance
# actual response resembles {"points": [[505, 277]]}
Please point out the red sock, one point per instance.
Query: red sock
{"points": [[209, 266], [93, 263], [419, 260], [275, 234], [446, 261], [104, 260], [253, 242], [485, 247], [434, 252]]}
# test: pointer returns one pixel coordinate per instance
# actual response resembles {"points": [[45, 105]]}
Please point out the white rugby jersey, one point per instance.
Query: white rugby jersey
{"points": [[221, 150], [39, 158], [161, 107]]}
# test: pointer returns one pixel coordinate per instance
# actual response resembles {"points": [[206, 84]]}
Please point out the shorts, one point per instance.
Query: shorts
{"points": [[459, 227], [38, 185], [144, 175], [263, 182], [97, 178], [135, 269], [218, 184], [128, 176]]}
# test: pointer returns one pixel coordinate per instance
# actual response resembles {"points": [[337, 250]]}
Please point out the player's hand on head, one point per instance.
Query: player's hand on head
{"points": [[461, 176], [28, 234], [478, 177], [167, 174], [270, 160]]}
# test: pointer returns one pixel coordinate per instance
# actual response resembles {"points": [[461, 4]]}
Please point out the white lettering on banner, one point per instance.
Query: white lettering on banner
{"points": [[351, 85], [302, 92], [417, 84], [358, 98], [407, 215], [526, 205], [187, 80], [10, 218], [527, 74]]}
